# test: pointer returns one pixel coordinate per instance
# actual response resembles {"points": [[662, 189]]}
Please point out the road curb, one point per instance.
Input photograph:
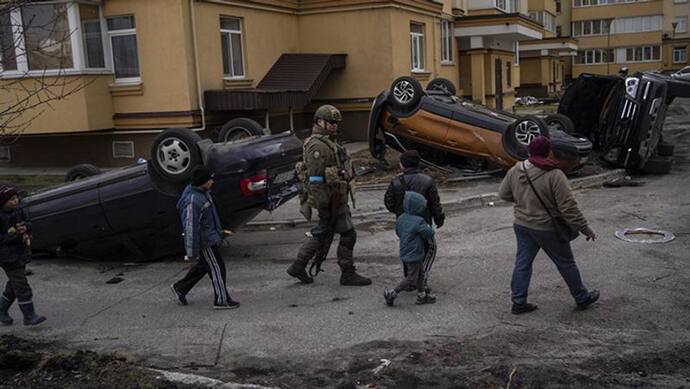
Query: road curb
{"points": [[451, 206]]}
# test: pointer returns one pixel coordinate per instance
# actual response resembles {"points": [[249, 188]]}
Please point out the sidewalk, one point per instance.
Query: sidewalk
{"points": [[454, 197]]}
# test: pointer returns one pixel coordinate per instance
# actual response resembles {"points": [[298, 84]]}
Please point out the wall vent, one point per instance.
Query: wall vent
{"points": [[123, 149], [5, 155]]}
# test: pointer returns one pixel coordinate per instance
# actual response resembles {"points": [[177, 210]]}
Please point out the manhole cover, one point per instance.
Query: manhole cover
{"points": [[644, 235]]}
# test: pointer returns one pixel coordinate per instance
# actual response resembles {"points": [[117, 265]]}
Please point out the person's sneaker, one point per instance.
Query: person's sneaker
{"points": [[519, 309], [425, 299], [232, 304], [389, 295], [593, 297], [181, 298]]}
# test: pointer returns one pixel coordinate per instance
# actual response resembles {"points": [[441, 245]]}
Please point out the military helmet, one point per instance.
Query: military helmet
{"points": [[328, 113]]}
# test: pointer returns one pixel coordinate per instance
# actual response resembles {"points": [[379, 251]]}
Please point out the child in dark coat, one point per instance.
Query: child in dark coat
{"points": [[412, 230], [15, 252]]}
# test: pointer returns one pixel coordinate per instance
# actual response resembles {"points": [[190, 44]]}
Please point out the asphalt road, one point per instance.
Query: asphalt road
{"points": [[644, 290]]}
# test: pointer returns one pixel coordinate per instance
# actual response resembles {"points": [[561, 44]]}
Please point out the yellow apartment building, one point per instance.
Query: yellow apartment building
{"points": [[543, 60], [143, 66], [154, 64], [676, 36], [489, 37], [642, 35]]}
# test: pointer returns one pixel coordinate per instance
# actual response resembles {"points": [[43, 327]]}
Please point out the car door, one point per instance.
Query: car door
{"points": [[67, 215], [143, 218]]}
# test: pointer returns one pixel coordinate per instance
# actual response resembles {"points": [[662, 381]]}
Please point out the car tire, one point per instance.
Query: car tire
{"points": [[405, 94], [81, 171], [658, 165], [443, 85], [175, 153], [521, 132], [560, 122], [664, 149], [239, 129]]}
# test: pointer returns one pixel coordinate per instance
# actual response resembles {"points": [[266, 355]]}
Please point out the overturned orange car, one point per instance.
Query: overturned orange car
{"points": [[443, 126]]}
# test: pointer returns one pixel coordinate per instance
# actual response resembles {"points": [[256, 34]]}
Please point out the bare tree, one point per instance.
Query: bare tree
{"points": [[35, 51]]}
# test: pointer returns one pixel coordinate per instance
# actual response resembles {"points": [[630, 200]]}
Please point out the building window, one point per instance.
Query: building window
{"points": [[545, 19], [92, 36], [47, 37], [509, 74], [446, 41], [680, 55], [594, 3], [637, 24], [559, 31], [594, 57], [8, 58], [51, 38], [417, 46], [558, 6], [643, 54], [591, 27], [501, 4], [231, 42], [681, 24], [123, 41]]}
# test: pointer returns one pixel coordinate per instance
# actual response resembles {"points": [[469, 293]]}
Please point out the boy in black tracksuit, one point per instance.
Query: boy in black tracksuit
{"points": [[413, 179], [15, 253]]}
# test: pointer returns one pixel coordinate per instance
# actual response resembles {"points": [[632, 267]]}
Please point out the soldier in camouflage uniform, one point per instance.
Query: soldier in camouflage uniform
{"points": [[327, 173]]}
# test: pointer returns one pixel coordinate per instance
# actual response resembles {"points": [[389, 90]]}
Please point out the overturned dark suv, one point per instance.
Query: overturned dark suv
{"points": [[623, 116]]}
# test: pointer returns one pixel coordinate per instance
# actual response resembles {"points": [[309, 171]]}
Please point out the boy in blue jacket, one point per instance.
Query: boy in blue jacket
{"points": [[202, 237], [412, 230]]}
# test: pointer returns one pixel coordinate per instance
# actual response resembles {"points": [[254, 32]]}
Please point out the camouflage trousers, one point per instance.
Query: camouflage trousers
{"points": [[319, 241]]}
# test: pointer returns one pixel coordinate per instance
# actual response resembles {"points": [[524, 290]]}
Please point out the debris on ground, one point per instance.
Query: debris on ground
{"points": [[527, 100], [115, 280], [644, 235], [622, 181]]}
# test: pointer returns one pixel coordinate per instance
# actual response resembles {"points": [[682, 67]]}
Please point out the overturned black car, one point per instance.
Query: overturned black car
{"points": [[130, 213], [623, 116]]}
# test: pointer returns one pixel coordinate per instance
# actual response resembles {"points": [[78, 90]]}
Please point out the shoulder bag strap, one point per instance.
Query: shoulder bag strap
{"points": [[535, 191]]}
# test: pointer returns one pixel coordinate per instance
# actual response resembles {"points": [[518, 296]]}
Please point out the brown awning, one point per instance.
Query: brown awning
{"points": [[292, 82]]}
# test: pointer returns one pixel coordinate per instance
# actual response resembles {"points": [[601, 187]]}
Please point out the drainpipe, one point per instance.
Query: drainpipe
{"points": [[196, 69]]}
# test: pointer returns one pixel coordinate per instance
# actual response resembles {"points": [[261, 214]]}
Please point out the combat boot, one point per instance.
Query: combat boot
{"points": [[349, 277], [5, 305], [30, 316], [298, 270]]}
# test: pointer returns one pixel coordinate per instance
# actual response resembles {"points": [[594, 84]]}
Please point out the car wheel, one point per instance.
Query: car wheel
{"points": [[664, 149], [239, 129], [81, 171], [405, 94], [659, 165], [521, 132], [561, 122], [175, 153], [442, 84]]}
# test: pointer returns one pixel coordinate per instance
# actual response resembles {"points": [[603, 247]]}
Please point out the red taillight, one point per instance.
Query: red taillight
{"points": [[255, 185]]}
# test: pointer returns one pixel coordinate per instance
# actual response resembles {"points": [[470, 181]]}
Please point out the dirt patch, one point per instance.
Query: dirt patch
{"points": [[511, 356], [30, 364]]}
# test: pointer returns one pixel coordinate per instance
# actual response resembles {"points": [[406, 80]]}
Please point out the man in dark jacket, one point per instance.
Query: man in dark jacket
{"points": [[15, 253], [413, 179], [202, 237]]}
